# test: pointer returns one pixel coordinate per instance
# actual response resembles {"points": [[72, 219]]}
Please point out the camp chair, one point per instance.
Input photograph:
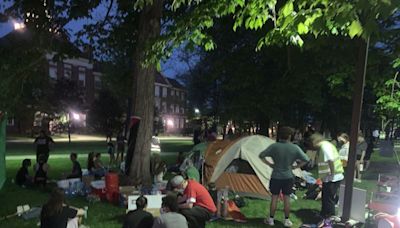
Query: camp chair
{"points": [[383, 202], [387, 183]]}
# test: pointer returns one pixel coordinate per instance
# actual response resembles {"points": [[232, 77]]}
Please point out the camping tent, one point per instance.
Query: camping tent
{"points": [[237, 164], [3, 121]]}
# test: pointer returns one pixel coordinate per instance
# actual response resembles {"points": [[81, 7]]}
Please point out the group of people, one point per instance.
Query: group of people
{"points": [[189, 204], [287, 156]]}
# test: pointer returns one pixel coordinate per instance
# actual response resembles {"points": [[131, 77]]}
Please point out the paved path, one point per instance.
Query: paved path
{"points": [[57, 156], [89, 138]]}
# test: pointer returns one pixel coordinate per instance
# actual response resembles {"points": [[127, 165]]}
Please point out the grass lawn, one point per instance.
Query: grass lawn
{"points": [[103, 214]]}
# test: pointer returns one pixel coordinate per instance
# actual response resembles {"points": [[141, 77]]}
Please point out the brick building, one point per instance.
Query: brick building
{"points": [[80, 69], [170, 103]]}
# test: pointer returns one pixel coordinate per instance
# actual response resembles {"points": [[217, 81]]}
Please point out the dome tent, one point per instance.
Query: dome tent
{"points": [[237, 164]]}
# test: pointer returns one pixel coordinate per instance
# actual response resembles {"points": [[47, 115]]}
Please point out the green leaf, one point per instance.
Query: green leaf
{"points": [[209, 46], [159, 66], [355, 29], [302, 28], [287, 9]]}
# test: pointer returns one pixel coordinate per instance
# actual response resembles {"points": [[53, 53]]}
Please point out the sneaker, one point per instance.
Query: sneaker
{"points": [[287, 223], [335, 219], [269, 221], [357, 180]]}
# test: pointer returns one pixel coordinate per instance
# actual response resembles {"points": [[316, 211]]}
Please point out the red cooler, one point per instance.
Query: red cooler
{"points": [[112, 187]]}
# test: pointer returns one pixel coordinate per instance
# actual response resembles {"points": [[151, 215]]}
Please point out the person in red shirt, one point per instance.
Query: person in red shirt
{"points": [[196, 204]]}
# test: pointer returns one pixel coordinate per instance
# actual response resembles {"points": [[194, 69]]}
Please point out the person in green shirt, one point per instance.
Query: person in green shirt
{"points": [[284, 154]]}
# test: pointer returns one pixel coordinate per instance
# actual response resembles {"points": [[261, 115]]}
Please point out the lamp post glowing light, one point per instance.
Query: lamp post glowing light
{"points": [[196, 110], [75, 116], [19, 25], [170, 123]]}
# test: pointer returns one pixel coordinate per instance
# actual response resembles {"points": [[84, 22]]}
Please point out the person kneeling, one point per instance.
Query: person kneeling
{"points": [[196, 204], [169, 217]]}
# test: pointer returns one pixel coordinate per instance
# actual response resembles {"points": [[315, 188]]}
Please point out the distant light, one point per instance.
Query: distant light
{"points": [[196, 110], [170, 123], [19, 25], [75, 116]]}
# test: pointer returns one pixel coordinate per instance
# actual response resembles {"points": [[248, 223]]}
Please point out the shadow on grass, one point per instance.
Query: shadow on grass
{"points": [[250, 222], [307, 216]]}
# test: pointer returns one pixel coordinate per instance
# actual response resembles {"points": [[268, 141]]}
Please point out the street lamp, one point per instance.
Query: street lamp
{"points": [[196, 110], [18, 25]]}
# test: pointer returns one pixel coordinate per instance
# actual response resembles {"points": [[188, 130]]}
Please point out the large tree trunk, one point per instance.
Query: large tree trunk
{"points": [[143, 93]]}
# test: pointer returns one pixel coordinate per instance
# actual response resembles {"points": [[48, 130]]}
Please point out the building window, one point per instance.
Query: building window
{"points": [[53, 70], [164, 107], [10, 122], [176, 108], [82, 76], [182, 123], [164, 92], [182, 111], [67, 70], [157, 104], [183, 95], [156, 91], [172, 92]]}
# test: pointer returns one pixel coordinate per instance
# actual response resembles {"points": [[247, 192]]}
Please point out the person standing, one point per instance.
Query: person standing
{"points": [[42, 143], [284, 155], [343, 139], [361, 150], [196, 204], [170, 218], [121, 140], [330, 170]]}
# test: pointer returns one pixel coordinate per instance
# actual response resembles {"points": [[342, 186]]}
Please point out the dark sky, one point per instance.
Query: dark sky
{"points": [[172, 67]]}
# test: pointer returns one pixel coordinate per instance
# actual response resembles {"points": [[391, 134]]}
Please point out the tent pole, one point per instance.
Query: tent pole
{"points": [[361, 68]]}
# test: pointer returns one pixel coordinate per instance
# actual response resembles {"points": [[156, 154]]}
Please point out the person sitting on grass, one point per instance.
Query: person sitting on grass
{"points": [[99, 170], [76, 167], [169, 217], [139, 218], [41, 169], [196, 203], [22, 178], [56, 214]]}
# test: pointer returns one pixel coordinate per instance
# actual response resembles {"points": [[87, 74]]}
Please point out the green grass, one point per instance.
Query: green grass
{"points": [[103, 214]]}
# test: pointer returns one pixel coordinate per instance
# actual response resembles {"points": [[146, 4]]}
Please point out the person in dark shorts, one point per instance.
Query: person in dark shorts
{"points": [[22, 178], [368, 152], [284, 154], [42, 142], [121, 140], [110, 151], [76, 167]]}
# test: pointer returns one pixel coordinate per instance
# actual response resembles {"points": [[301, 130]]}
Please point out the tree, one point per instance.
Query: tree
{"points": [[106, 113], [283, 23]]}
